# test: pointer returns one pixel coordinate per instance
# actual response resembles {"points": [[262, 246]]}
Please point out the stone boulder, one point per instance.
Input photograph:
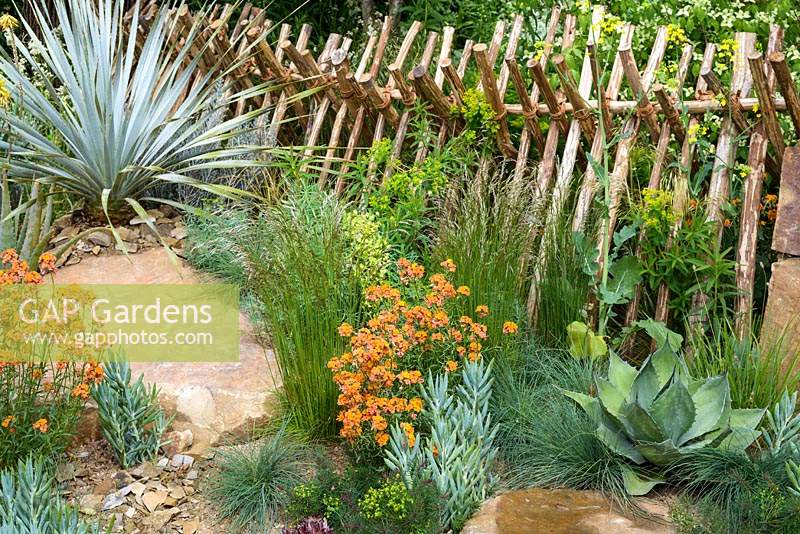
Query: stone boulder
{"points": [[216, 401], [781, 317], [557, 511]]}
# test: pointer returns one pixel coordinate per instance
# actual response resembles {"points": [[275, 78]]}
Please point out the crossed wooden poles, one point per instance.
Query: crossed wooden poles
{"points": [[358, 105]]}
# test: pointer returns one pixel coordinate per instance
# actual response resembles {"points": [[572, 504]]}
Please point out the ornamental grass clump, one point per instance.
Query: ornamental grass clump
{"points": [[131, 420], [297, 259], [486, 228], [255, 481], [413, 331], [43, 391]]}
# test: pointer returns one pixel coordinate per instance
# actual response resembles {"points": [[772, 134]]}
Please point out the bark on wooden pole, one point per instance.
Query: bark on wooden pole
{"points": [[580, 108], [787, 87], [494, 99], [769, 116]]}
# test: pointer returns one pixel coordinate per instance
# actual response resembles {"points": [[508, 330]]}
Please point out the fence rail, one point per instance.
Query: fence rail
{"points": [[356, 107]]}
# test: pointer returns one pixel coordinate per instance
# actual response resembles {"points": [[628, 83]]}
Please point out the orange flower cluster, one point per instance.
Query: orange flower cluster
{"points": [[379, 377], [18, 271], [41, 425], [58, 384]]}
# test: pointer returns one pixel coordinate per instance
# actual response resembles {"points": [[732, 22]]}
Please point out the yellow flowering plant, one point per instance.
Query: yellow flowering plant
{"points": [[412, 332], [41, 398]]}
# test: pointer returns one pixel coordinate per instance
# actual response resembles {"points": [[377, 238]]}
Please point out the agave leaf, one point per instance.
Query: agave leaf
{"points": [[673, 411], [636, 484], [710, 401], [620, 374], [738, 439], [619, 444], [646, 385], [610, 396], [746, 418], [665, 362], [639, 425], [661, 453], [589, 404]]}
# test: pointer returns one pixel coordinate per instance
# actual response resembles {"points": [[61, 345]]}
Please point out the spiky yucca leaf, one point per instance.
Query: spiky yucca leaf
{"points": [[126, 115]]}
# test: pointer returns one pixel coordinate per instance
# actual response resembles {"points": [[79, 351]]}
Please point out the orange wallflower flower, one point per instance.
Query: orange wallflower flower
{"points": [[463, 291], [81, 391], [7, 421], [448, 265], [482, 310], [451, 366], [510, 327], [345, 330], [47, 263], [41, 425]]}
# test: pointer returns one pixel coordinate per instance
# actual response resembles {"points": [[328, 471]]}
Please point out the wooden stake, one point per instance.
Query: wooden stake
{"points": [[646, 111], [494, 99], [788, 90], [769, 116], [525, 136], [427, 89], [751, 195], [580, 107]]}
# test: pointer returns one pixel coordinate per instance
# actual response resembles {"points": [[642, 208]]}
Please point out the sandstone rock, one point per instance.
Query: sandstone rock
{"points": [[102, 239], [112, 501], [781, 324], [157, 520], [66, 234], [181, 461], [127, 234], [132, 248], [196, 403], [154, 499], [214, 401], [90, 502], [190, 526], [557, 512], [179, 232], [179, 441]]}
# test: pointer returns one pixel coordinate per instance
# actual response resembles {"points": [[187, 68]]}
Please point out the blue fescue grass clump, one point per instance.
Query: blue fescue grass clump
{"points": [[545, 439]]}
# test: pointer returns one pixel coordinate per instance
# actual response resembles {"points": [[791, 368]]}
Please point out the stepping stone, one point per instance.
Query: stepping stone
{"points": [[557, 512], [214, 400]]}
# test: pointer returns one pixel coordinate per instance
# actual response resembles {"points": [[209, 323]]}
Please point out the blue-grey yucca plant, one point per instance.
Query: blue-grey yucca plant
{"points": [[125, 115], [29, 503], [131, 420], [459, 454]]}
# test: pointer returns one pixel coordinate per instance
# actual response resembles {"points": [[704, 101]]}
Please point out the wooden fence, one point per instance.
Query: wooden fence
{"points": [[374, 97]]}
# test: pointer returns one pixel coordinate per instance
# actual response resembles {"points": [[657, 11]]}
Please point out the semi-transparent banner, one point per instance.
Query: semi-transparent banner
{"points": [[152, 323]]}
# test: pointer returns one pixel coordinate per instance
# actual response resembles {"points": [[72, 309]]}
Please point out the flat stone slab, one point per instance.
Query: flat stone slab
{"points": [[786, 236], [558, 511], [215, 400], [781, 323]]}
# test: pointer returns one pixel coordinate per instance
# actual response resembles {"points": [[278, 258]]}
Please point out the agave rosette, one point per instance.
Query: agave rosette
{"points": [[658, 413]]}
